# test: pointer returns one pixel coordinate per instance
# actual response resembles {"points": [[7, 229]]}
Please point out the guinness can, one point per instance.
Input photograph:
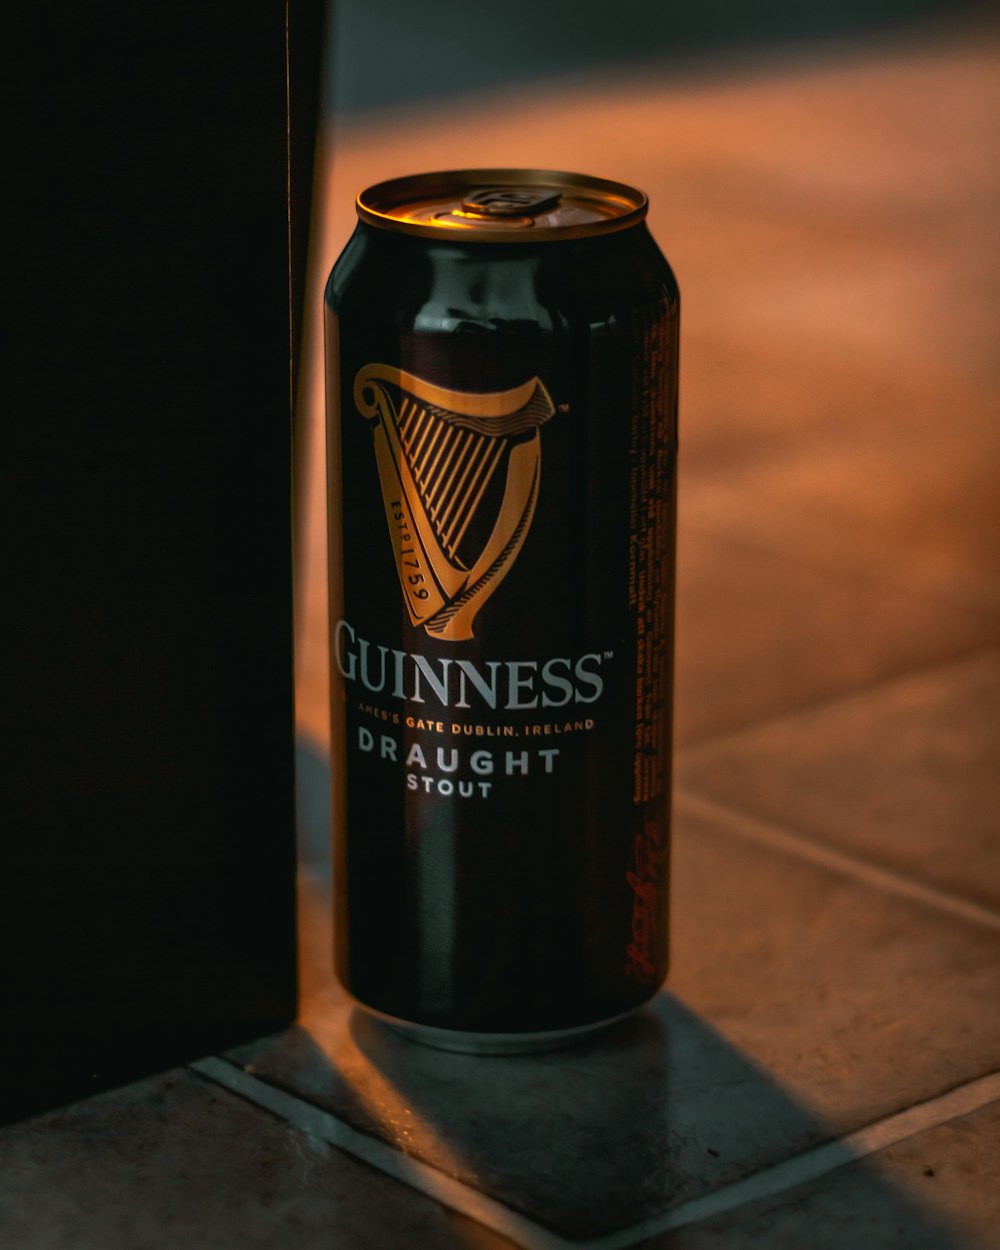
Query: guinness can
{"points": [[502, 379]]}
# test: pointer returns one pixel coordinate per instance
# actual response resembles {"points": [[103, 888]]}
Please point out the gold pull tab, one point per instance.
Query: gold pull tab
{"points": [[510, 201]]}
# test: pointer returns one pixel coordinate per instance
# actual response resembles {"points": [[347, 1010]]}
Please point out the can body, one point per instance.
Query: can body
{"points": [[502, 452]]}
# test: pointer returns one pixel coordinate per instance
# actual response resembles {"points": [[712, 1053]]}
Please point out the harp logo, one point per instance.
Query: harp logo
{"points": [[458, 469]]}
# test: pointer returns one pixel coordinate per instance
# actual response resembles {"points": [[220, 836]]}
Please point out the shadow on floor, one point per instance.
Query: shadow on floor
{"points": [[657, 1112]]}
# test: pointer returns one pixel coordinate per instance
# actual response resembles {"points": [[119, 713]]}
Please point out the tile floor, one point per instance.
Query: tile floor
{"points": [[824, 1070]]}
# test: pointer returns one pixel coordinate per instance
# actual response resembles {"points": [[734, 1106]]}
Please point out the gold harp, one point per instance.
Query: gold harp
{"points": [[437, 452]]}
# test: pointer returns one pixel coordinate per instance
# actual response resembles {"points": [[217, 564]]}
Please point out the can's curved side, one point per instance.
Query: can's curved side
{"points": [[502, 445]]}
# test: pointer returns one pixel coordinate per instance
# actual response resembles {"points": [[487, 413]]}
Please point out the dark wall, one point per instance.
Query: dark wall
{"points": [[396, 51], [146, 806]]}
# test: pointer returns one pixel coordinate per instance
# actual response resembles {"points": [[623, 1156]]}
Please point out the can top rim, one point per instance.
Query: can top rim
{"points": [[501, 205]]}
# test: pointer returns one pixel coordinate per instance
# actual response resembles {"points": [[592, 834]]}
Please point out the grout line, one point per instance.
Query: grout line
{"points": [[428, 1180], [813, 1163], [464, 1198], [770, 834], [924, 670], [960, 1101]]}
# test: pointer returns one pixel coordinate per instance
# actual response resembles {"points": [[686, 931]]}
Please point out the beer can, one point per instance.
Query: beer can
{"points": [[502, 440]]}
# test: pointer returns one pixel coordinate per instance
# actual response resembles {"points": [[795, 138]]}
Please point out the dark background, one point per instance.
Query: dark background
{"points": [[147, 856], [394, 52]]}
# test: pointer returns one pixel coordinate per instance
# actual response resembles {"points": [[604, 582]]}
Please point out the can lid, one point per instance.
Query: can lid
{"points": [[502, 205]]}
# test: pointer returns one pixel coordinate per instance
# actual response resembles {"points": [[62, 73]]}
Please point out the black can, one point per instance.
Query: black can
{"points": [[502, 439]]}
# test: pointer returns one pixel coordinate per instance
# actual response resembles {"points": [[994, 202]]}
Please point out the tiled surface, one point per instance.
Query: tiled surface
{"points": [[176, 1161], [907, 774], [582, 1142], [833, 225], [827, 983], [760, 633], [935, 1191], [920, 511], [831, 229], [795, 994]]}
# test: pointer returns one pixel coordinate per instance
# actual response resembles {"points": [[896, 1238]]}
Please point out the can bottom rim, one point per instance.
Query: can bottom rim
{"points": [[470, 1043]]}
